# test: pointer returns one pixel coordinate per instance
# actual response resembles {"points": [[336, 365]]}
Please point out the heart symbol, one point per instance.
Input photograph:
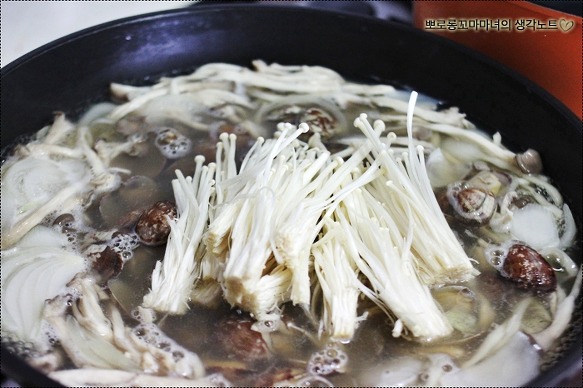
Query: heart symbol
{"points": [[566, 25]]}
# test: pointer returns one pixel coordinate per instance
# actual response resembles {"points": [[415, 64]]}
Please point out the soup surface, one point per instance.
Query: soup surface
{"points": [[281, 226]]}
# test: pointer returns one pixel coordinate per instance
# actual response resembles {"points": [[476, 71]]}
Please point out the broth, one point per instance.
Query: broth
{"points": [[222, 338]]}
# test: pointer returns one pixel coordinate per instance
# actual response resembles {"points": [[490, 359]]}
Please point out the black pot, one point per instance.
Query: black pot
{"points": [[73, 72]]}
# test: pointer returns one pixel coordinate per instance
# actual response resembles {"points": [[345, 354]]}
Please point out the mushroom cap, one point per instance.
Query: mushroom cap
{"points": [[529, 161]]}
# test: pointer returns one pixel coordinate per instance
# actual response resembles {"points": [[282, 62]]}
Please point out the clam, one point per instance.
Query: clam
{"points": [[171, 143], [538, 317], [487, 181], [322, 116], [472, 205], [145, 160], [460, 305]]}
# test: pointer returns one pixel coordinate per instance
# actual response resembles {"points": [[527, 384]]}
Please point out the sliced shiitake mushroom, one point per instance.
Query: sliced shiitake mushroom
{"points": [[153, 227], [235, 336], [528, 269]]}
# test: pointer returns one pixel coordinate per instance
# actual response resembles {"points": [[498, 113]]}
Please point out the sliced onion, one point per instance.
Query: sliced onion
{"points": [[32, 273], [30, 183], [95, 112], [442, 172], [91, 377], [570, 229], [535, 226], [513, 365], [560, 261], [395, 373]]}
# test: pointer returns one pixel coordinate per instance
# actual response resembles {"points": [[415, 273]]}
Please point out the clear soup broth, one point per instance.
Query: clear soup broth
{"points": [[282, 226]]}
